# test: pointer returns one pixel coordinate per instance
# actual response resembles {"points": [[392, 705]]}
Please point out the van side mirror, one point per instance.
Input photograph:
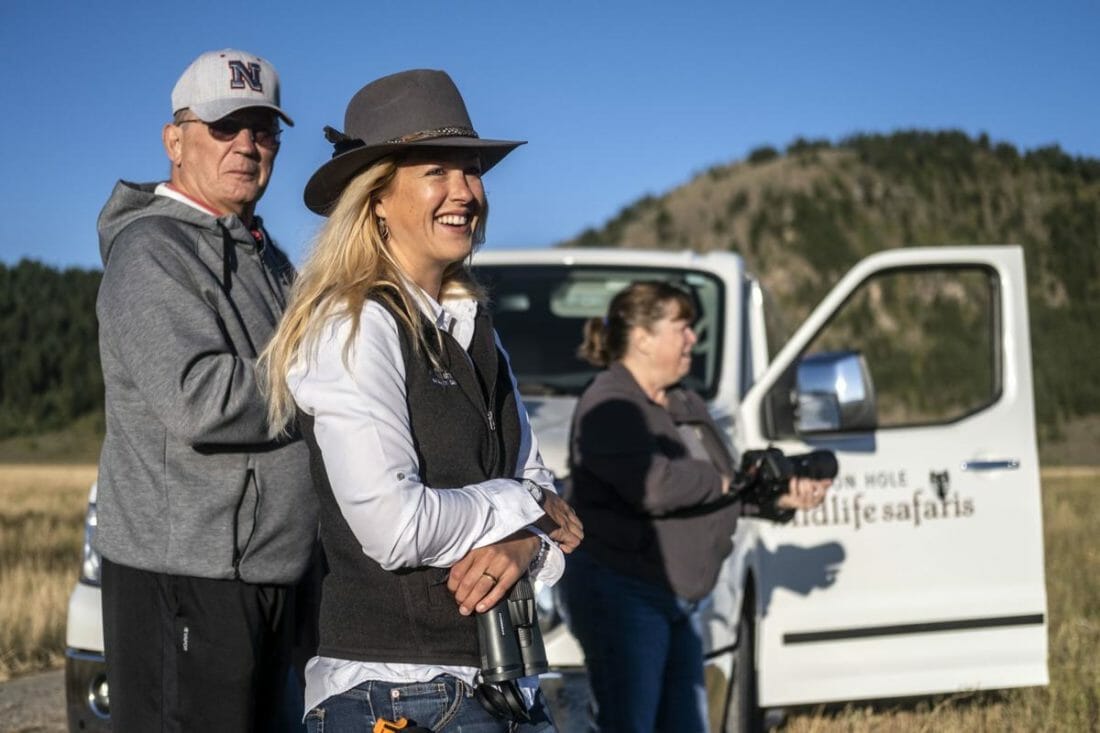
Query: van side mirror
{"points": [[835, 393]]}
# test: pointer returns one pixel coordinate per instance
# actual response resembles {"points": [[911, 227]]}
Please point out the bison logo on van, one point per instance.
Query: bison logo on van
{"points": [[941, 482]]}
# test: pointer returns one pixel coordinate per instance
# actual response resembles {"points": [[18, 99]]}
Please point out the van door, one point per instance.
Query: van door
{"points": [[923, 570]]}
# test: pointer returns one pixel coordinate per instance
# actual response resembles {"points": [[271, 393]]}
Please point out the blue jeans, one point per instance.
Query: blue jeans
{"points": [[642, 647], [444, 705]]}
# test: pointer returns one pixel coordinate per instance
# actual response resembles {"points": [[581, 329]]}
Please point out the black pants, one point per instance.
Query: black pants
{"points": [[195, 654]]}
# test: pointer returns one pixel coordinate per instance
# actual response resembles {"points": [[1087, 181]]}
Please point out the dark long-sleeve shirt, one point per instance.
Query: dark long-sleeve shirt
{"points": [[637, 471]]}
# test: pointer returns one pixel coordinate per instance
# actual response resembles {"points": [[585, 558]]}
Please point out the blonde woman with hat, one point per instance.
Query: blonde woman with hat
{"points": [[434, 500]]}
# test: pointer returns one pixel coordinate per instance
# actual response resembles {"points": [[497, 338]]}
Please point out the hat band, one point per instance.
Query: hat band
{"points": [[413, 137]]}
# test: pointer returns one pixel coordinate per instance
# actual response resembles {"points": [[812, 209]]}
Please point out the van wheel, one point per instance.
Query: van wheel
{"points": [[743, 714]]}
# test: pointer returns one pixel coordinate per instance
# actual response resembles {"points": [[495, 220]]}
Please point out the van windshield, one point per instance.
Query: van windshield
{"points": [[539, 312]]}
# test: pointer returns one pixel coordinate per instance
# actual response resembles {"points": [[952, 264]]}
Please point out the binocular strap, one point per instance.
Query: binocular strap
{"points": [[503, 700]]}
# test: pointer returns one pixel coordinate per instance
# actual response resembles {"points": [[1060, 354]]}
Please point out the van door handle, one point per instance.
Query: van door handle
{"points": [[1010, 464]]}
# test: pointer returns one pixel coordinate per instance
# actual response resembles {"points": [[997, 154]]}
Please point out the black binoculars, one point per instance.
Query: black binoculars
{"points": [[509, 638]]}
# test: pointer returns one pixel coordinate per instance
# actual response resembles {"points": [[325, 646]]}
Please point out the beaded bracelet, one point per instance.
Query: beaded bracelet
{"points": [[536, 564]]}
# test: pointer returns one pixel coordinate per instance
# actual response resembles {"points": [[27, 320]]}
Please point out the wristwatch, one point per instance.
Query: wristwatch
{"points": [[535, 490]]}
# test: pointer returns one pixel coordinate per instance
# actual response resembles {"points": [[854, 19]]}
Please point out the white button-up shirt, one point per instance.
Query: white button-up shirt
{"points": [[357, 398]]}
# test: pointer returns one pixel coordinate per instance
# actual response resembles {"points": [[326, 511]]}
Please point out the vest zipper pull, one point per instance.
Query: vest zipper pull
{"points": [[492, 421]]}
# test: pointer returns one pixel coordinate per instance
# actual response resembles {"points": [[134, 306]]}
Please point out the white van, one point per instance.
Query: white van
{"points": [[923, 570]]}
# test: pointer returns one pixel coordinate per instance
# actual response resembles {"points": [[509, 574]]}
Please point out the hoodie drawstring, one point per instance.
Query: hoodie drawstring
{"points": [[229, 258]]}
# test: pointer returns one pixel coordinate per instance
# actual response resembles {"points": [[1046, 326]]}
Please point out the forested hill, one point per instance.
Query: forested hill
{"points": [[49, 354], [803, 217]]}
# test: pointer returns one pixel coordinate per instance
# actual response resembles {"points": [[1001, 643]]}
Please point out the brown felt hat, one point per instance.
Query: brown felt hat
{"points": [[410, 109]]}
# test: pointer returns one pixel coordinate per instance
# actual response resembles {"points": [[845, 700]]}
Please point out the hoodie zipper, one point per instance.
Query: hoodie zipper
{"points": [[261, 252]]}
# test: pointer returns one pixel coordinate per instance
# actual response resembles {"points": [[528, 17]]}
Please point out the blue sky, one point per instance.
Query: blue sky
{"points": [[617, 99]]}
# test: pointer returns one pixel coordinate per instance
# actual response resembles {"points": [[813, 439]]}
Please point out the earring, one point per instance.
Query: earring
{"points": [[383, 229]]}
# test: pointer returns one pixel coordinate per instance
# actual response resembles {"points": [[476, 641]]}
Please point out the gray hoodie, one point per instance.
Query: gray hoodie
{"points": [[189, 483]]}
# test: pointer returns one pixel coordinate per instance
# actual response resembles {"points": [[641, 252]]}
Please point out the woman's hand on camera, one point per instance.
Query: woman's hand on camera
{"points": [[804, 493], [560, 522], [480, 579]]}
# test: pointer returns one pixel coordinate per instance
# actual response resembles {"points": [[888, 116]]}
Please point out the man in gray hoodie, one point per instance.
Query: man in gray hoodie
{"points": [[205, 525]]}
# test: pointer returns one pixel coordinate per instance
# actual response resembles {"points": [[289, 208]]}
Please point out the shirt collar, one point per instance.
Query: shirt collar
{"points": [[456, 316], [167, 190]]}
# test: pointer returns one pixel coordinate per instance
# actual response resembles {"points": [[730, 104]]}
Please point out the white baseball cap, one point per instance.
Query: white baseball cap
{"points": [[219, 83]]}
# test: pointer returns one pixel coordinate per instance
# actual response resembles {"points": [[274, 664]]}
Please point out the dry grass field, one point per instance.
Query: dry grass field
{"points": [[41, 519], [41, 531]]}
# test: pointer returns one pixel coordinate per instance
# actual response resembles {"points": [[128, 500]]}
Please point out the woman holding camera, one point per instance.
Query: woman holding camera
{"points": [[434, 501], [649, 470]]}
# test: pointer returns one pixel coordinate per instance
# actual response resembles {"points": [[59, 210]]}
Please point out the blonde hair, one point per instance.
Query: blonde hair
{"points": [[641, 304], [350, 262]]}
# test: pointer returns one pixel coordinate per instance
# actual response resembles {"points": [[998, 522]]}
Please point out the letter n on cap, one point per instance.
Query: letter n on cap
{"points": [[241, 73]]}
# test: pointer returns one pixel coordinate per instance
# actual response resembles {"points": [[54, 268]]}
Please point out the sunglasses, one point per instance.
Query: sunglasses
{"points": [[264, 134]]}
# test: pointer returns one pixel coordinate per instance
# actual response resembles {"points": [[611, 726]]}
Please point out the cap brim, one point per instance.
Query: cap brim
{"points": [[328, 182], [214, 111]]}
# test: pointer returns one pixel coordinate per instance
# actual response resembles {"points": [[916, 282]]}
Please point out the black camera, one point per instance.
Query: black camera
{"points": [[767, 473], [510, 644]]}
